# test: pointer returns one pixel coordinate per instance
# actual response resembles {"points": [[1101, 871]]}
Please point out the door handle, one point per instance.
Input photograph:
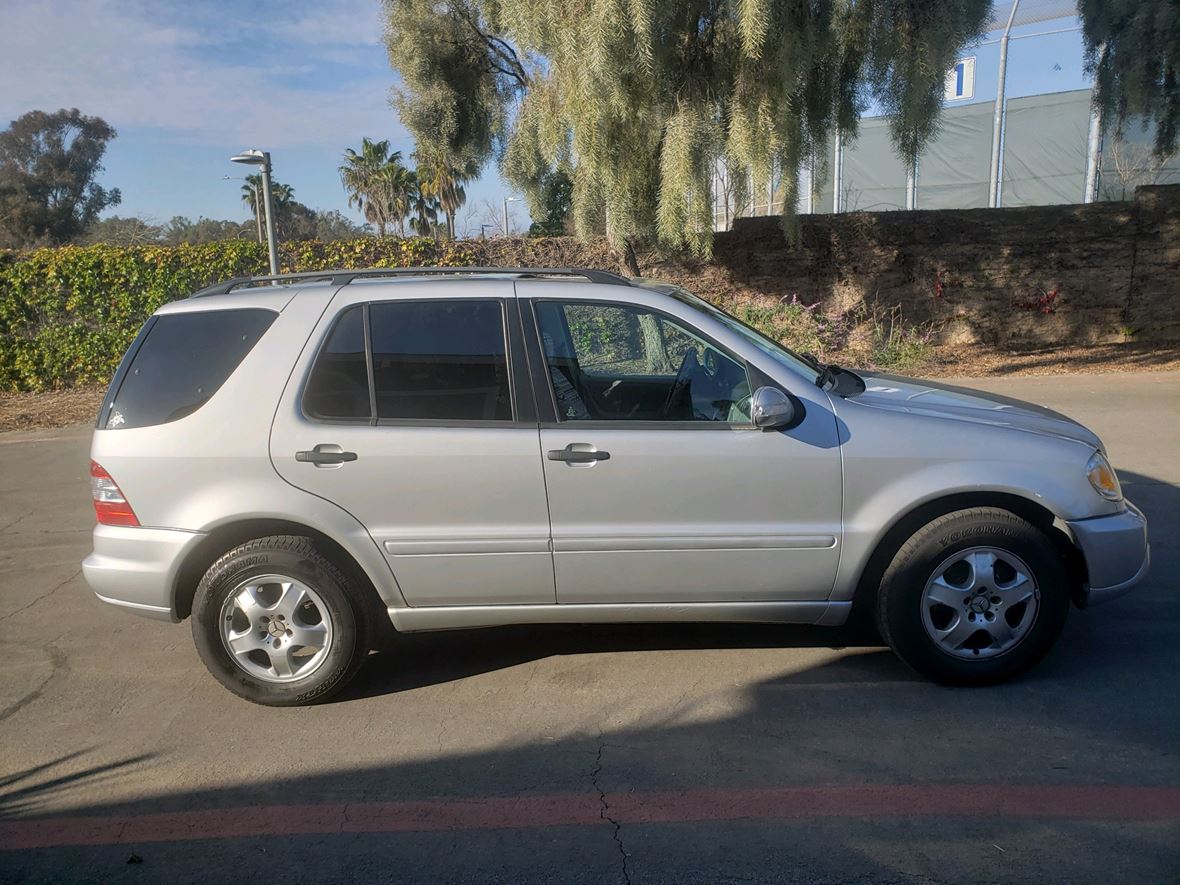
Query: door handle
{"points": [[325, 454], [577, 453]]}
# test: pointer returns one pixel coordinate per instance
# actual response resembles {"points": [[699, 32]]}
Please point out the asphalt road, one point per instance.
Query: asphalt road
{"points": [[627, 754]]}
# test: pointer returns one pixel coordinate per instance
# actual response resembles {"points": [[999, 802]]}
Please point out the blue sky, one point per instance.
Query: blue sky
{"points": [[187, 84]]}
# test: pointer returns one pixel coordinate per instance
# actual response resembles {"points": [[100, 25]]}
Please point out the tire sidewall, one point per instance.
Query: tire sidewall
{"points": [[251, 561], [904, 584]]}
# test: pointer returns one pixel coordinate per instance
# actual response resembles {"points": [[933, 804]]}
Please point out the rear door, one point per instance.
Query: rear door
{"points": [[413, 414]]}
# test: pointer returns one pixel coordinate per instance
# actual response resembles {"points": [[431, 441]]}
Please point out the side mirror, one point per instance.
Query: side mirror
{"points": [[771, 408]]}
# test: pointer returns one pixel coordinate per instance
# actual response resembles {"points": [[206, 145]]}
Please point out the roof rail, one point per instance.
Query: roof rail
{"points": [[344, 277]]}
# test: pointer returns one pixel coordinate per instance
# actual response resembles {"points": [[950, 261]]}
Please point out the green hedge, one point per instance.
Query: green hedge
{"points": [[67, 314]]}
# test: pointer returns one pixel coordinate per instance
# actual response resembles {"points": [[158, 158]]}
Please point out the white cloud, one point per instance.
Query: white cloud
{"points": [[192, 72]]}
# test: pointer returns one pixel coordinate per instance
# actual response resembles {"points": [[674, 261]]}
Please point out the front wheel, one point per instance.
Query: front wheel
{"points": [[277, 623], [975, 597]]}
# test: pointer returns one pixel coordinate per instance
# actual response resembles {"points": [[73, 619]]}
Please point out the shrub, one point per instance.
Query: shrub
{"points": [[68, 314]]}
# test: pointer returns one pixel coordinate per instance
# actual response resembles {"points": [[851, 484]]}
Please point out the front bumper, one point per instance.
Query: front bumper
{"points": [[1116, 552], [136, 568]]}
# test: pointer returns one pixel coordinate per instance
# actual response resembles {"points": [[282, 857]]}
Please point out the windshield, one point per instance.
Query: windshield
{"points": [[781, 354]]}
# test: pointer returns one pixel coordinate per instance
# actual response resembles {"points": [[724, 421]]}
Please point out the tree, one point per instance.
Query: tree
{"points": [[282, 203], [1135, 163], [642, 99], [116, 231], [1133, 54], [205, 230], [441, 177], [377, 184], [48, 167], [556, 198], [423, 209], [332, 225]]}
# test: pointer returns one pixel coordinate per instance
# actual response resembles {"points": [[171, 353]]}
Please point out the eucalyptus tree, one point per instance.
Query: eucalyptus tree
{"points": [[49, 165], [642, 98]]}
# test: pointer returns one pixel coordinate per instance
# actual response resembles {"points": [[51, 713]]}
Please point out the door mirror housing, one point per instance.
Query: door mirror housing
{"points": [[770, 408]]}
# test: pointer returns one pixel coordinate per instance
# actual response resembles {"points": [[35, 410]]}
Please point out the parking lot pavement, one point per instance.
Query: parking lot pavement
{"points": [[592, 754]]}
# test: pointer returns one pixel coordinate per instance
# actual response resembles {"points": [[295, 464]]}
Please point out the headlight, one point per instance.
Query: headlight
{"points": [[1103, 477]]}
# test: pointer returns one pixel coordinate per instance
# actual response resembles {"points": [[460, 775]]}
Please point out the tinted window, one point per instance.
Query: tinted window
{"points": [[181, 363], [339, 383], [440, 360]]}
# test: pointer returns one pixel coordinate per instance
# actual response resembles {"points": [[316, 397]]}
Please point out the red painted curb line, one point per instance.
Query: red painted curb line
{"points": [[584, 809]]}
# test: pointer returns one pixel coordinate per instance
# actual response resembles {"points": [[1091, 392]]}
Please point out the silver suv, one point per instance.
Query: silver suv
{"points": [[300, 463]]}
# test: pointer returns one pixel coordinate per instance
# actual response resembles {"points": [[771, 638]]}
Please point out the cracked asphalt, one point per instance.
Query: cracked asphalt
{"points": [[632, 754]]}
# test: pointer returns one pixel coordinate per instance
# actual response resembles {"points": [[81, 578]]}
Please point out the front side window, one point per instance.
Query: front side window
{"points": [[618, 362]]}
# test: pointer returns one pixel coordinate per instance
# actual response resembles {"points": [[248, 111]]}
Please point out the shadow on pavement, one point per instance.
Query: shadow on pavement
{"points": [[1076, 749]]}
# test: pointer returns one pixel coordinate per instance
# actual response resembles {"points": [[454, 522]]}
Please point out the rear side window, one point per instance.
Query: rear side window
{"points": [[339, 384], [442, 360], [430, 361], [182, 360]]}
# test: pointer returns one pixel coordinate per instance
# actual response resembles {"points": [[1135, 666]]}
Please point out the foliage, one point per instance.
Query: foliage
{"points": [[293, 220], [896, 346], [645, 98], [68, 314], [458, 75], [182, 229], [441, 177], [1133, 54], [48, 166], [117, 231], [298, 223], [378, 184], [556, 199]]}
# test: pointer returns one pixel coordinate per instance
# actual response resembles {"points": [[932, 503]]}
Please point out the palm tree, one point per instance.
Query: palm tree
{"points": [[377, 184], [421, 208], [442, 177], [281, 196]]}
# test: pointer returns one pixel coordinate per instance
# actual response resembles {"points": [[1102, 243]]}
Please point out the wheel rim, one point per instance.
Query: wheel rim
{"points": [[980, 603], [276, 628]]}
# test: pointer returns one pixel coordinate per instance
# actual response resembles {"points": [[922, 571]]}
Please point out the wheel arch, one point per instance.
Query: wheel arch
{"points": [[909, 521], [224, 538]]}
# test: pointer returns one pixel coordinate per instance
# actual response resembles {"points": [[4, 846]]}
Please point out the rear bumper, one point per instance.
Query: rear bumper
{"points": [[136, 568], [1116, 552]]}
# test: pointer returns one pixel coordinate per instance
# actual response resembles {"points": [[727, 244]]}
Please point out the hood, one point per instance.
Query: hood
{"points": [[963, 404]]}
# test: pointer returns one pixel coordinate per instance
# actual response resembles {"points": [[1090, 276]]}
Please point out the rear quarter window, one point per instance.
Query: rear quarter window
{"points": [[181, 360]]}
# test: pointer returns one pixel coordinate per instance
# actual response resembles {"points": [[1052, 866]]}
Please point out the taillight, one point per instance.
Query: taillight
{"points": [[110, 506]]}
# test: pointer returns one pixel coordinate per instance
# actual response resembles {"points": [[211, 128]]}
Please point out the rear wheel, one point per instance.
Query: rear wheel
{"points": [[974, 598], [277, 623]]}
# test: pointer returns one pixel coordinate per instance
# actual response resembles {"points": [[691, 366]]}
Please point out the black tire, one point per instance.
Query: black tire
{"points": [[298, 558], [900, 598]]}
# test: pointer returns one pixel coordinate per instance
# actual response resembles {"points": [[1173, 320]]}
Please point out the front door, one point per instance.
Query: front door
{"points": [[660, 490], [412, 418]]}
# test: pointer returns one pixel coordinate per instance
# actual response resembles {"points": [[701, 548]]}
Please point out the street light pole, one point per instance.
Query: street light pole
{"points": [[261, 159], [270, 218], [508, 200]]}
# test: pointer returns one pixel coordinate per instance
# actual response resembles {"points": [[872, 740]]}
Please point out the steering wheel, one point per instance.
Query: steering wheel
{"points": [[689, 366]]}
